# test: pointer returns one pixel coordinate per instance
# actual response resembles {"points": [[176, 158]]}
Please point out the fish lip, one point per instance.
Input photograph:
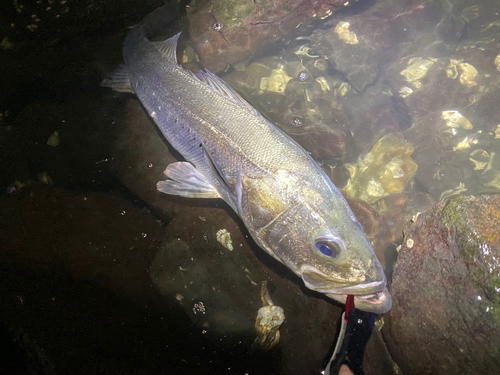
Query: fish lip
{"points": [[356, 289], [379, 302]]}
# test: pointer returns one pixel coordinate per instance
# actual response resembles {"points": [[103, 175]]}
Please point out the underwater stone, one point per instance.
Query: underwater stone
{"points": [[343, 32], [396, 210], [446, 303], [385, 170], [248, 25]]}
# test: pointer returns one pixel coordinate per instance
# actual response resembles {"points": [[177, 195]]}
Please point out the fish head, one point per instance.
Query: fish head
{"points": [[317, 236]]}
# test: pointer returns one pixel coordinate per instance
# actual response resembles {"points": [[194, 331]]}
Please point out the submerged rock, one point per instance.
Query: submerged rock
{"points": [[445, 290], [76, 283], [227, 31], [448, 81], [393, 213], [452, 128], [385, 170]]}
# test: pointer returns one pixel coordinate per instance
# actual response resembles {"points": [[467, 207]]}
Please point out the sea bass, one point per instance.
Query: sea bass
{"points": [[289, 205]]}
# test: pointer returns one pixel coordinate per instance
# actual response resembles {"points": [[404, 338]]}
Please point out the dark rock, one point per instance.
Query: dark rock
{"points": [[398, 209], [445, 314], [41, 228], [80, 158], [75, 284], [325, 143], [64, 51], [372, 115], [357, 45]]}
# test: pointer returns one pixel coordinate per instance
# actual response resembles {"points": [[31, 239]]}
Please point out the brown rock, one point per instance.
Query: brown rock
{"points": [[445, 286]]}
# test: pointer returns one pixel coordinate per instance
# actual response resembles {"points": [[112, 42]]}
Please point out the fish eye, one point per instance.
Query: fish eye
{"points": [[328, 247]]}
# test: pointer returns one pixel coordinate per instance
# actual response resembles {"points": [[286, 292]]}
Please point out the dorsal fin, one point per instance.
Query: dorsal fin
{"points": [[168, 48]]}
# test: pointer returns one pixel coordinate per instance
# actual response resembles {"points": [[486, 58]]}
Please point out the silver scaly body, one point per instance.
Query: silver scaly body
{"points": [[289, 205]]}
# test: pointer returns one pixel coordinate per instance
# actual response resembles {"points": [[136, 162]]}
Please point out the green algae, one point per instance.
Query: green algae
{"points": [[232, 13], [470, 219]]}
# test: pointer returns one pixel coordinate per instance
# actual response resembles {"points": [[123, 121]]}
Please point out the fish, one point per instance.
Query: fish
{"points": [[290, 207]]}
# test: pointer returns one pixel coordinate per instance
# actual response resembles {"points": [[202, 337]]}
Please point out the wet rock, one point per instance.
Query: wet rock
{"points": [[75, 283], [194, 267], [356, 45], [374, 114], [445, 290], [227, 31], [396, 210], [455, 150], [60, 50], [325, 143]]}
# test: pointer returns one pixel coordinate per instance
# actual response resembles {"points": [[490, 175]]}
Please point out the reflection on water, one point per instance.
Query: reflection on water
{"points": [[397, 102]]}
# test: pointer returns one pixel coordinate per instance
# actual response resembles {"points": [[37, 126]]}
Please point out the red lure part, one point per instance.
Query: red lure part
{"points": [[349, 304]]}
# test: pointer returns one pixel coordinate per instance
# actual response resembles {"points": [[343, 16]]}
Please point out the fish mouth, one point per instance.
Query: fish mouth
{"points": [[368, 288], [379, 302], [370, 295]]}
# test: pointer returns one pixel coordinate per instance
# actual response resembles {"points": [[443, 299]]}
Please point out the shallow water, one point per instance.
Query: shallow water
{"points": [[397, 102]]}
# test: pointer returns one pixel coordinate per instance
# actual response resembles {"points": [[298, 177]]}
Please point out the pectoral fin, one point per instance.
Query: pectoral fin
{"points": [[118, 80], [186, 181], [217, 171]]}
